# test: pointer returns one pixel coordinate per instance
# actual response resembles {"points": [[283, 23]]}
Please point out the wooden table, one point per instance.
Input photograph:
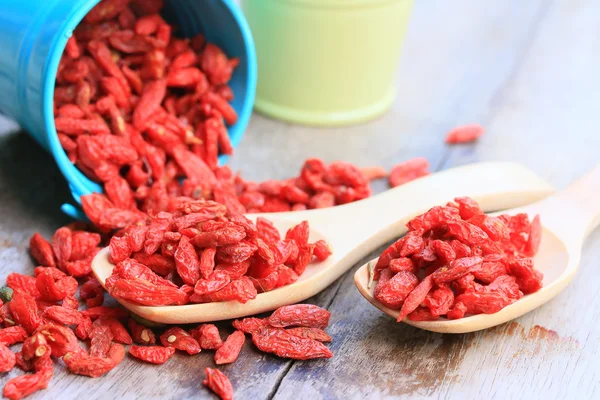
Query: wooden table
{"points": [[528, 71]]}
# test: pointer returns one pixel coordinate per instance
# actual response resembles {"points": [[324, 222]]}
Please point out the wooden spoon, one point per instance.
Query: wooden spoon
{"points": [[352, 230], [567, 218]]}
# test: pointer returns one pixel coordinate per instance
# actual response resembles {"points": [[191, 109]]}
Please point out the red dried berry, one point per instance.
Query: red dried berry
{"points": [[207, 336], [41, 250], [464, 134], [306, 315], [218, 383], [393, 291], [140, 333], [12, 335], [284, 344], [408, 171], [24, 311], [181, 340], [152, 354], [24, 385], [250, 325], [65, 316], [230, 349], [7, 359], [82, 364], [186, 261]]}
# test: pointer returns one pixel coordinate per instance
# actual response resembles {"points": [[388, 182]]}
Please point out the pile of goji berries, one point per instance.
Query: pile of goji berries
{"points": [[42, 313], [456, 261], [198, 253]]}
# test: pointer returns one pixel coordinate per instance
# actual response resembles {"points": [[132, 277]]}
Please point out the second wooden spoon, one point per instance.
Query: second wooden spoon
{"points": [[567, 218]]}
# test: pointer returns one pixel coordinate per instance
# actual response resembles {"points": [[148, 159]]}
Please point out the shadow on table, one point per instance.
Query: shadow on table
{"points": [[31, 183]]}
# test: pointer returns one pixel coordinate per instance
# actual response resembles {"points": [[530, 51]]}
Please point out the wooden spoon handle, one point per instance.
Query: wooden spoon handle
{"points": [[374, 221], [574, 212]]}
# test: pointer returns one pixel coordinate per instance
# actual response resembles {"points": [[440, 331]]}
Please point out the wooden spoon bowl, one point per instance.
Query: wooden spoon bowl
{"points": [[353, 230], [567, 218]]}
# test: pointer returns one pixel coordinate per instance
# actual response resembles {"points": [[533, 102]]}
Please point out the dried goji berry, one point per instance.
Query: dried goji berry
{"points": [[240, 290], [105, 10], [41, 250], [63, 315], [249, 325], [60, 339], [306, 315], [21, 363], [158, 263], [216, 281], [82, 364], [24, 385], [101, 339], [147, 294], [535, 237], [181, 340], [12, 335], [408, 171], [528, 278], [152, 354], [321, 250], [284, 344], [235, 253], [394, 291], [230, 349], [490, 270], [62, 244], [483, 302], [402, 264], [218, 383], [392, 252], [84, 328], [458, 311], [439, 301], [207, 336], [456, 269], [24, 311], [464, 134], [140, 333], [186, 261], [23, 283], [416, 297], [220, 237], [7, 359], [131, 269], [118, 331]]}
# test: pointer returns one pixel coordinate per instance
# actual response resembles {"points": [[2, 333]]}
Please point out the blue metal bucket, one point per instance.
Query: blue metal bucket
{"points": [[33, 35]]}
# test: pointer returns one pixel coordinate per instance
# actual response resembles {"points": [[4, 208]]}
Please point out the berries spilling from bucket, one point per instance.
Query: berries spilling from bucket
{"points": [[146, 114]]}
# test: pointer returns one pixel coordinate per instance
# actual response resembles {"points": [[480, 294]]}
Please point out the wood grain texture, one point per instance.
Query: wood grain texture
{"points": [[528, 72]]}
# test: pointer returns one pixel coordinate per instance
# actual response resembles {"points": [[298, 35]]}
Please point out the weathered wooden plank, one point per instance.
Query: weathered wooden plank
{"points": [[528, 117]]}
